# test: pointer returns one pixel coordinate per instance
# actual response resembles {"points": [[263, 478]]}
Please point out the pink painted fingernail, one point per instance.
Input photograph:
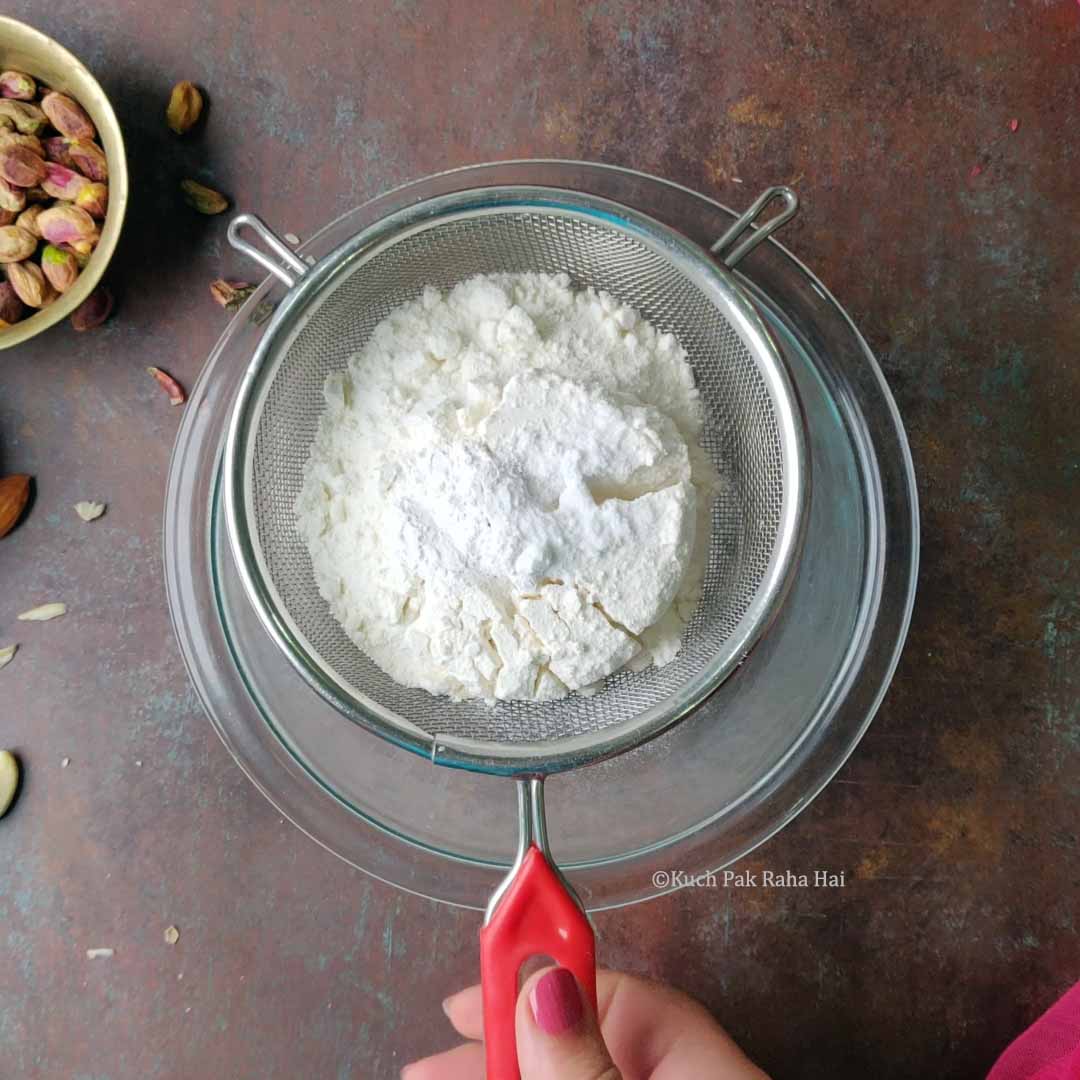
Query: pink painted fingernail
{"points": [[556, 1002]]}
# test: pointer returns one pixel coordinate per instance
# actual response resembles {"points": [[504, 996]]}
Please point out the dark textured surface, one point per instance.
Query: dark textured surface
{"points": [[956, 820]]}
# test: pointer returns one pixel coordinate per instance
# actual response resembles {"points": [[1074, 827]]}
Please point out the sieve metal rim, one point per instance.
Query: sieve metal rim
{"points": [[305, 285]]}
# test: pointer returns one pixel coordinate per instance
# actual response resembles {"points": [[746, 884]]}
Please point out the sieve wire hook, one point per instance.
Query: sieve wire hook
{"points": [[730, 255], [273, 242]]}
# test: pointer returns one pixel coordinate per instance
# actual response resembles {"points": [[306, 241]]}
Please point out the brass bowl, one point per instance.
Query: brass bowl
{"points": [[23, 48]]}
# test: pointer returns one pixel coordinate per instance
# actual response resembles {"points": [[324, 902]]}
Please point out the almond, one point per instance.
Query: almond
{"points": [[14, 495]]}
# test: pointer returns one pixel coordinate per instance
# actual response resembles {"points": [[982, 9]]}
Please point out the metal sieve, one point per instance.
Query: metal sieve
{"points": [[753, 433]]}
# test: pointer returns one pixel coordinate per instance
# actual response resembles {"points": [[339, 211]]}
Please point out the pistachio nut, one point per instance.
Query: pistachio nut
{"points": [[18, 85], [94, 199], [11, 197], [67, 224], [87, 157], [21, 166], [67, 116], [16, 244], [61, 182], [31, 142], [28, 219], [82, 253], [11, 307], [27, 118], [59, 267], [184, 108], [29, 284], [55, 148], [200, 197]]}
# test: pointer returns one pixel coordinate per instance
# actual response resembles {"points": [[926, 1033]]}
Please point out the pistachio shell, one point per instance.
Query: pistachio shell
{"points": [[94, 310]]}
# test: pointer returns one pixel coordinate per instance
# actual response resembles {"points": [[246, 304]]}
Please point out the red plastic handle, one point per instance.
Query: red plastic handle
{"points": [[535, 917]]}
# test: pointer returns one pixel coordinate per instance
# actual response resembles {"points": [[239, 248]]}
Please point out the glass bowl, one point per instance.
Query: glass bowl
{"points": [[698, 797]]}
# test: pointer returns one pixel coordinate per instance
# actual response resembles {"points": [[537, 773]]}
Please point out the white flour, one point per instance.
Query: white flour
{"points": [[505, 493]]}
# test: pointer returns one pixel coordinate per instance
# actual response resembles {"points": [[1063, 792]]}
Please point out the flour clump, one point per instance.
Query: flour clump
{"points": [[506, 497]]}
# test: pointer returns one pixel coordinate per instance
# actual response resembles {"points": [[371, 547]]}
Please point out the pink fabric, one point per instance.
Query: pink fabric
{"points": [[1049, 1049]]}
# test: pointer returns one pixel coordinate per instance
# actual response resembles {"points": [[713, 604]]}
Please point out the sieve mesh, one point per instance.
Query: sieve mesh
{"points": [[742, 435]]}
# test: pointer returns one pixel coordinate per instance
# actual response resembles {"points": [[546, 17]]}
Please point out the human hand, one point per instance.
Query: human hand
{"points": [[646, 1032]]}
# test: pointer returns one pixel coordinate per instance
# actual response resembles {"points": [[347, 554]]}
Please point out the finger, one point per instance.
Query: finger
{"points": [[653, 1030], [465, 1062], [558, 1037], [466, 1012]]}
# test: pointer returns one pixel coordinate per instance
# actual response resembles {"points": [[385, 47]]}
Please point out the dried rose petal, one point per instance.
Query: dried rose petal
{"points": [[169, 384]]}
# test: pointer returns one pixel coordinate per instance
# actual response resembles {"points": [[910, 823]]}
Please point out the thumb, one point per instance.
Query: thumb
{"points": [[558, 1037]]}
